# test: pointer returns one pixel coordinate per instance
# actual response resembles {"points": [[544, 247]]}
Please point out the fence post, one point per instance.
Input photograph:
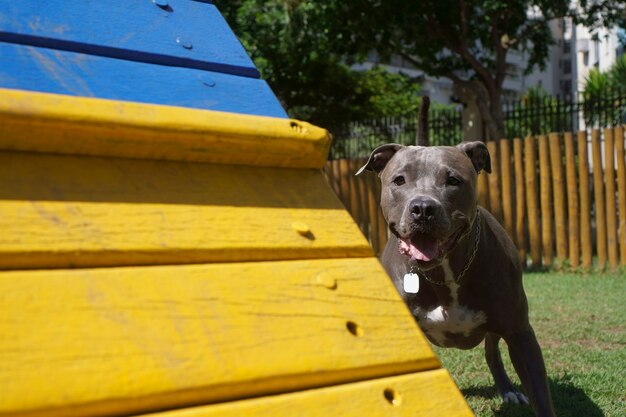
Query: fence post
{"points": [[572, 200], [520, 215], [507, 190], [361, 191], [545, 186], [530, 171], [585, 201], [495, 199], [345, 184], [598, 188], [381, 222], [483, 190], [609, 180], [621, 188], [556, 161]]}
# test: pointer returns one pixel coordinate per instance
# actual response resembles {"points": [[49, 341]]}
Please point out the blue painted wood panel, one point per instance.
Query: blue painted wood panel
{"points": [[61, 72], [184, 33]]}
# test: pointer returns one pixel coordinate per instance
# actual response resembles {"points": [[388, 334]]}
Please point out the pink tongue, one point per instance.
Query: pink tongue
{"points": [[421, 248]]}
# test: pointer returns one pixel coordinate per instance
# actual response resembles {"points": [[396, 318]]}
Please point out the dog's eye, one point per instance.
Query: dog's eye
{"points": [[453, 181], [399, 180]]}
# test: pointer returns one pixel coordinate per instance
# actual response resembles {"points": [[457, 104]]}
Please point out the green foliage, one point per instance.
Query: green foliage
{"points": [[596, 82], [300, 47], [600, 91], [617, 74], [305, 48], [468, 41]]}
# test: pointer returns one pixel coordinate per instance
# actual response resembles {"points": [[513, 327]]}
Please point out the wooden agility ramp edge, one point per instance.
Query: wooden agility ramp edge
{"points": [[145, 279]]}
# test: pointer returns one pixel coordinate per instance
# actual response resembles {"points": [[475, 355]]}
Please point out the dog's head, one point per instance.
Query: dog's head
{"points": [[429, 195]]}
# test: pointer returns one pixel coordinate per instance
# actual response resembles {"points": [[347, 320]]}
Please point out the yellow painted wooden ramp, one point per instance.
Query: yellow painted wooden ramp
{"points": [[178, 262]]}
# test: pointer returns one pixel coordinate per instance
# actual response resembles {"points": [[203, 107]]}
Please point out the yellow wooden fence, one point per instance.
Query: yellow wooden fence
{"points": [[561, 197]]}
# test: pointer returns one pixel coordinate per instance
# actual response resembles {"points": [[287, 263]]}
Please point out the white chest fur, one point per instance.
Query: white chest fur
{"points": [[449, 319]]}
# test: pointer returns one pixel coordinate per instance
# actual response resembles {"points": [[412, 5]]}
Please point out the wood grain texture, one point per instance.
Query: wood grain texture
{"points": [[495, 196], [598, 191], [424, 394], [558, 186], [621, 190], [126, 340], [76, 125], [507, 187], [573, 217], [62, 211], [520, 201], [75, 74], [545, 187], [482, 190], [184, 33], [611, 203], [532, 206], [586, 246]]}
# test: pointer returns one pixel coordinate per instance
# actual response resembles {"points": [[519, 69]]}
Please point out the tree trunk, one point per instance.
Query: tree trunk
{"points": [[474, 93]]}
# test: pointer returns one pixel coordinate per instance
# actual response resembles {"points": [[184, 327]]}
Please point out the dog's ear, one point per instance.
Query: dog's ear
{"points": [[380, 157], [478, 154]]}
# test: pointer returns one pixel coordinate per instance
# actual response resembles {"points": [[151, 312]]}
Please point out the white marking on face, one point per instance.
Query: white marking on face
{"points": [[453, 318]]}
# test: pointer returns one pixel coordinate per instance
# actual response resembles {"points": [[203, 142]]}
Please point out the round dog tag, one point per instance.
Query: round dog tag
{"points": [[411, 283]]}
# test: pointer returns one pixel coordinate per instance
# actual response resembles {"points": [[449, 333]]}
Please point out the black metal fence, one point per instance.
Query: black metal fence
{"points": [[357, 139], [529, 116], [541, 115]]}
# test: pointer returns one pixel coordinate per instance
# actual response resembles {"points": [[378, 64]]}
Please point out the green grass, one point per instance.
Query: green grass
{"points": [[580, 321]]}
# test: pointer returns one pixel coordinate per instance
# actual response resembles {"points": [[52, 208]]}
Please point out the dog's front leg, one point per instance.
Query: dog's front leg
{"points": [[528, 362], [503, 383]]}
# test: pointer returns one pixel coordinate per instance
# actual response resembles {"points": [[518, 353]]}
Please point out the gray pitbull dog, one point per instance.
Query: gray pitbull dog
{"points": [[454, 265]]}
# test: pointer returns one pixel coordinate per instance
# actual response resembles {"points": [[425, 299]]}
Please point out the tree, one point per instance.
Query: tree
{"points": [[601, 91], [468, 41], [296, 46]]}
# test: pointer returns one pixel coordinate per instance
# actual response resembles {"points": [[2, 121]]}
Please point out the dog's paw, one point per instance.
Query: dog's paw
{"points": [[515, 397]]}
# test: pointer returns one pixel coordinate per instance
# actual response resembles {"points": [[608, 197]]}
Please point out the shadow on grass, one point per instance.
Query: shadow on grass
{"points": [[569, 401]]}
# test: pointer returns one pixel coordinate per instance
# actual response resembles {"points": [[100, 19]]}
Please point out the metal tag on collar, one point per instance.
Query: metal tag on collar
{"points": [[411, 283]]}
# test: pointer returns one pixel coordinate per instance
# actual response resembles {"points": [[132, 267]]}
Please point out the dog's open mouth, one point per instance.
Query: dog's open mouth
{"points": [[422, 247]]}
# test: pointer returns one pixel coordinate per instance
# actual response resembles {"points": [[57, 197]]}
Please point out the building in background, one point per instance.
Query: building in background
{"points": [[574, 53]]}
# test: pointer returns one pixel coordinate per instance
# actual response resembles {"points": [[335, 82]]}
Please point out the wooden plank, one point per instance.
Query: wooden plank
{"points": [[345, 184], [61, 211], [374, 208], [175, 35], [355, 196], [75, 74], [545, 185], [383, 229], [571, 177], [483, 190], [71, 125], [362, 191], [530, 175], [424, 394], [520, 200], [611, 203], [585, 201], [128, 340], [621, 187], [598, 192], [495, 196], [332, 167], [507, 187], [558, 186]]}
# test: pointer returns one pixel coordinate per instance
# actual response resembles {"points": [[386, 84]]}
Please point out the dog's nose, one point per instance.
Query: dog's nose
{"points": [[423, 208]]}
